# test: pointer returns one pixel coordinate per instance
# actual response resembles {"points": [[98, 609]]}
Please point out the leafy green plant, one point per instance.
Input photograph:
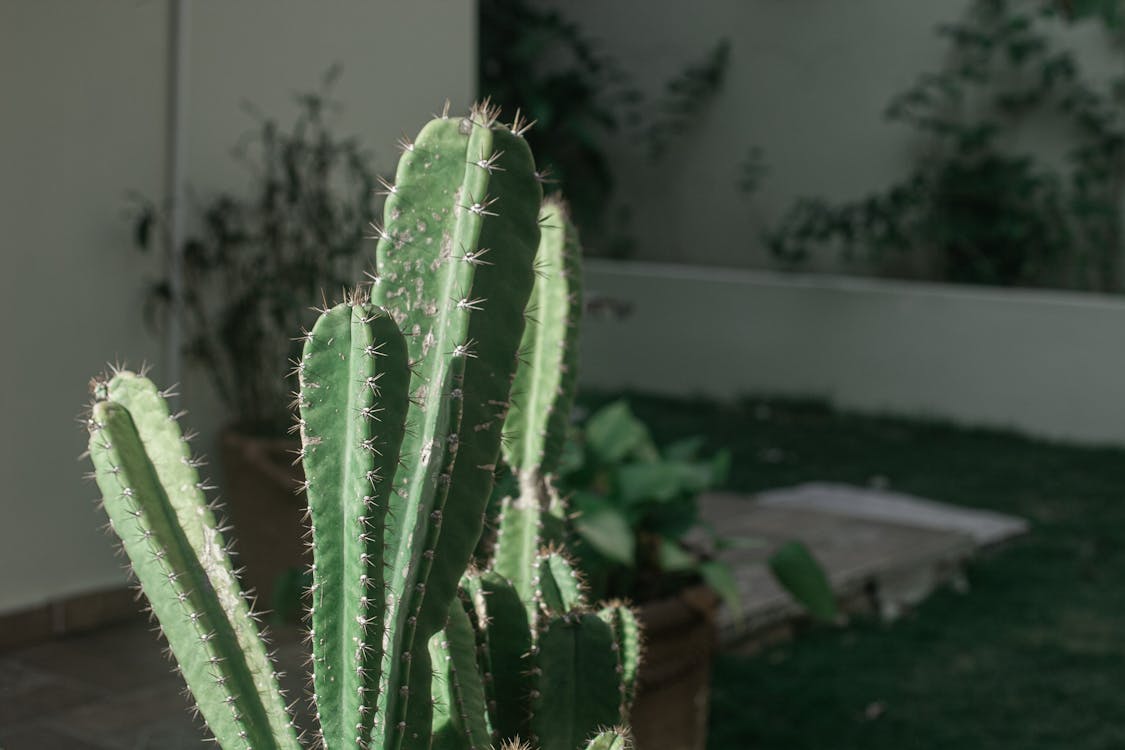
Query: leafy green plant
{"points": [[403, 394], [545, 65], [975, 205], [636, 507], [258, 262]]}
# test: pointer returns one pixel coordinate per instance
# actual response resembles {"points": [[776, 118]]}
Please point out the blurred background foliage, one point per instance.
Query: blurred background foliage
{"points": [[258, 261], [545, 65], [978, 205]]}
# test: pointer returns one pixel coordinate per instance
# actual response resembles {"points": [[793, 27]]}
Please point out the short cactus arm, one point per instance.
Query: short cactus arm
{"points": [[460, 717], [154, 499], [579, 683], [542, 395], [354, 376], [613, 739], [518, 540], [543, 391], [627, 638], [454, 268], [506, 651]]}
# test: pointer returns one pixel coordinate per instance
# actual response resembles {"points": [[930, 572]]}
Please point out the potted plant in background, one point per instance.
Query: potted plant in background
{"points": [[638, 535], [254, 267]]}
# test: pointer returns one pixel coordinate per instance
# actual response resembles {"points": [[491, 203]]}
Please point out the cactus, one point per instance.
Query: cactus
{"points": [[555, 671], [354, 377], [454, 269], [404, 391], [155, 502], [560, 681], [542, 396]]}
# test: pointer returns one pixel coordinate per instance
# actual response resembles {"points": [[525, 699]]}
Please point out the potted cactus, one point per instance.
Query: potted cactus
{"points": [[404, 391]]}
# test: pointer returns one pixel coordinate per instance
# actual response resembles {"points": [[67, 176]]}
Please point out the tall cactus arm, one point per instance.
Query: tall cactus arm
{"points": [[354, 377], [454, 268], [579, 684], [628, 640], [543, 391], [542, 395], [506, 651], [412, 716], [153, 496], [460, 717]]}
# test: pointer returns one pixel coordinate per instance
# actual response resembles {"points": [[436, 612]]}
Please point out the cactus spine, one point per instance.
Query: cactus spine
{"points": [[404, 391]]}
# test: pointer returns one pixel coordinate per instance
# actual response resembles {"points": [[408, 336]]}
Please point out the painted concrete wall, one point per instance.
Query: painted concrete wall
{"points": [[1047, 363], [808, 83], [84, 93]]}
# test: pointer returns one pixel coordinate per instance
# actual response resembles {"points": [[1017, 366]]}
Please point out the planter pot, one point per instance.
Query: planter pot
{"points": [[674, 685], [263, 509]]}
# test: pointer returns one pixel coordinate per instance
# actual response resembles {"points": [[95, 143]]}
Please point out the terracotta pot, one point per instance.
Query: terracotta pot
{"points": [[674, 685], [264, 509]]}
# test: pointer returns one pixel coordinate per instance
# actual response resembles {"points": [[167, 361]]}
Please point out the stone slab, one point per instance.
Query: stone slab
{"points": [[987, 528], [891, 566]]}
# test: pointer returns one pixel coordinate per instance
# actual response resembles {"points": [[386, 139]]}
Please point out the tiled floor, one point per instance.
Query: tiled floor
{"points": [[113, 690], [110, 690]]}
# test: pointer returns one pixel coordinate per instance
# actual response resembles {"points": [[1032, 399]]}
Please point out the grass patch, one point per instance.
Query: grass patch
{"points": [[1032, 657]]}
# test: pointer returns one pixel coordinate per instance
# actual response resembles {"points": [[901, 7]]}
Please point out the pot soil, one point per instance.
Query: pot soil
{"points": [[264, 509], [674, 684]]}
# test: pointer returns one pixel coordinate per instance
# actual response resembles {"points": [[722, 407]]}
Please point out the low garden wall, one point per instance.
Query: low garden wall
{"points": [[1049, 363]]}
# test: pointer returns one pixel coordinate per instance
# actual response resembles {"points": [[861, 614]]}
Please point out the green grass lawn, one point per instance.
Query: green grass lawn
{"points": [[1033, 656]]}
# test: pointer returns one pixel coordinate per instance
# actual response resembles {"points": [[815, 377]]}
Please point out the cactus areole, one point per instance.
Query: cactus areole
{"points": [[405, 388]]}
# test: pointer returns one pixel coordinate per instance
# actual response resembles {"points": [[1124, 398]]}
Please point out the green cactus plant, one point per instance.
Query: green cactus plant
{"points": [[404, 391], [542, 396], [555, 669]]}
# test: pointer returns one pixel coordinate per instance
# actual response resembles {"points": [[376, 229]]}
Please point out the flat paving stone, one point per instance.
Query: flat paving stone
{"points": [[26, 691], [114, 690], [985, 527], [41, 738], [113, 659], [152, 718], [885, 551]]}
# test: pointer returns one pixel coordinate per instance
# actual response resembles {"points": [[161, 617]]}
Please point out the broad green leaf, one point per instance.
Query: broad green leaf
{"points": [[614, 433], [603, 526], [676, 559], [720, 469], [801, 575], [661, 482], [718, 576]]}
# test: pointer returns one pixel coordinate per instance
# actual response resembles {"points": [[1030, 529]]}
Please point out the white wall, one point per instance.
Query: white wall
{"points": [[1047, 363], [808, 82], [82, 91], [83, 95]]}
